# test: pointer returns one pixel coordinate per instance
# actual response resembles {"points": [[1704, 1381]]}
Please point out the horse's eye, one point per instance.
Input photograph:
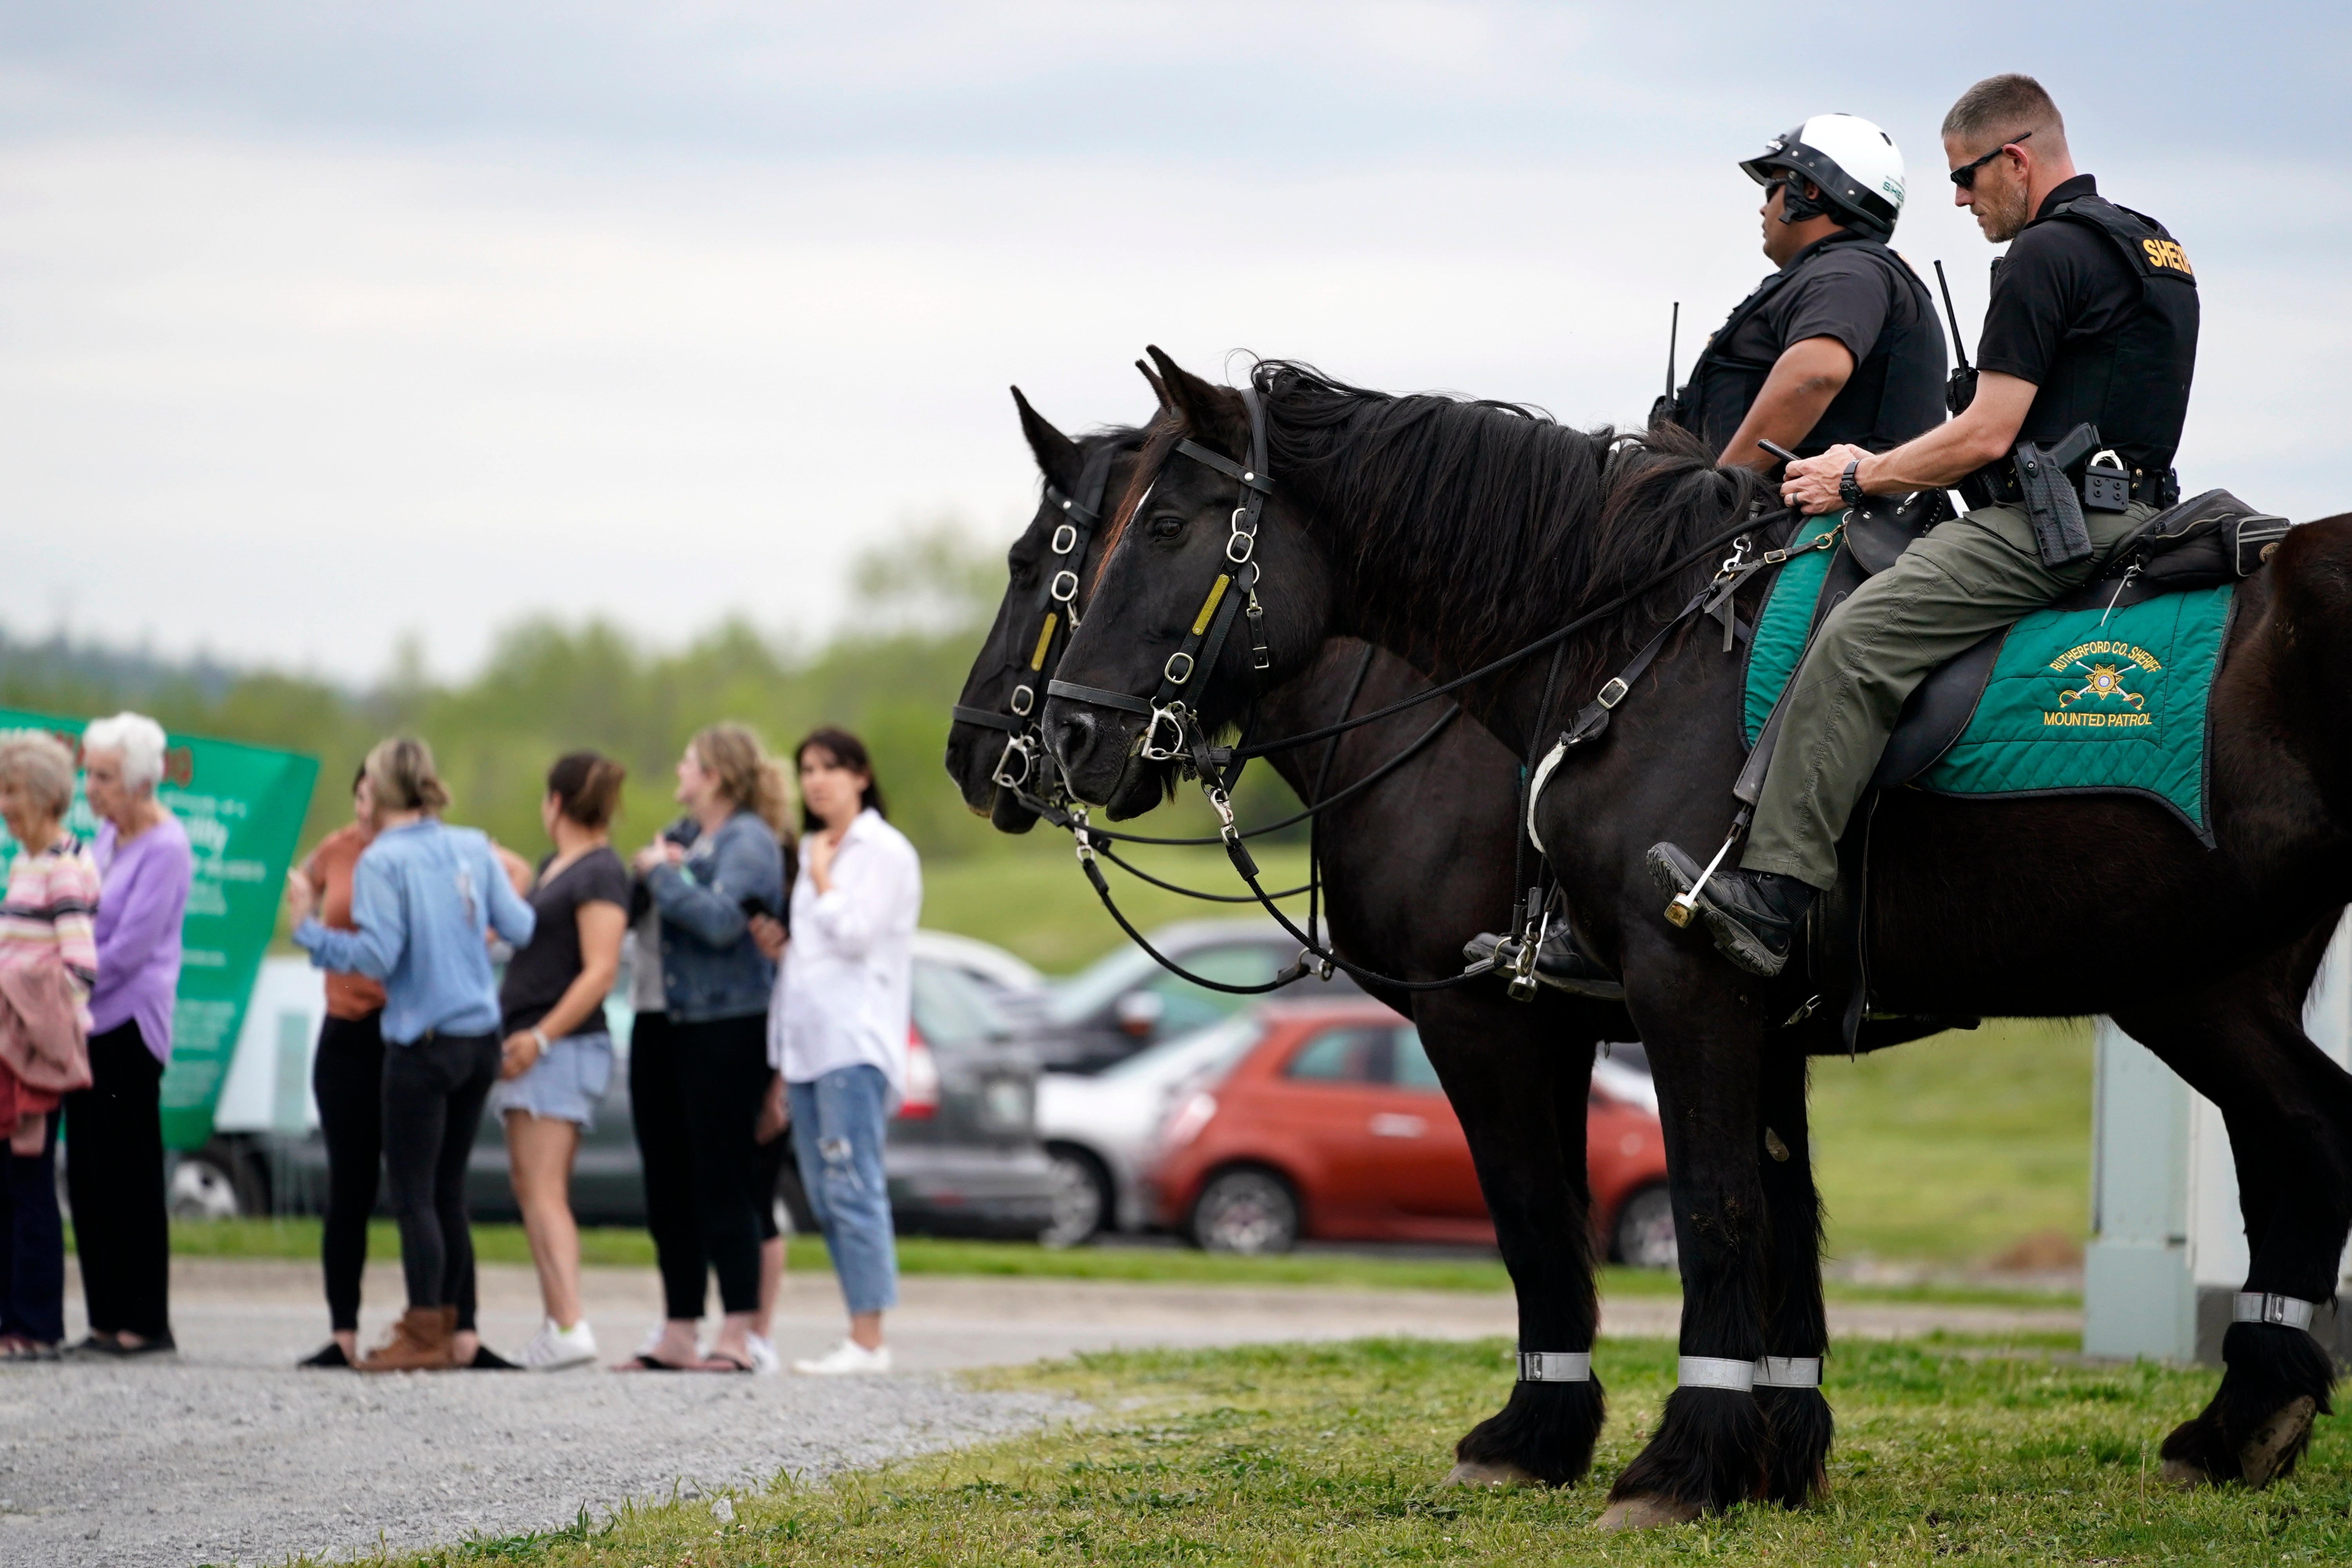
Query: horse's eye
{"points": [[1167, 527]]}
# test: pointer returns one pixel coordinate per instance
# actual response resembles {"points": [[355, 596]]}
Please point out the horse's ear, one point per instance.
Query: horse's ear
{"points": [[1214, 414], [1058, 457], [1158, 388]]}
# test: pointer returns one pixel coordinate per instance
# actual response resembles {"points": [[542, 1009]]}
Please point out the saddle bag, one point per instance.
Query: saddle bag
{"points": [[2203, 542]]}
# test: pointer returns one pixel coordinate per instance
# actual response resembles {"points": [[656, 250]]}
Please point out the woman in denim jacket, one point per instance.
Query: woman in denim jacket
{"points": [[717, 983]]}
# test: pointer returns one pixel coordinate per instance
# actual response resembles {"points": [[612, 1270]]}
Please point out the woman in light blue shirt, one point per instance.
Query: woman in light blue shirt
{"points": [[424, 897]]}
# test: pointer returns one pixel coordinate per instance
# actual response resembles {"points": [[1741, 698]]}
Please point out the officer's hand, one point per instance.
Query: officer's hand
{"points": [[1811, 484]]}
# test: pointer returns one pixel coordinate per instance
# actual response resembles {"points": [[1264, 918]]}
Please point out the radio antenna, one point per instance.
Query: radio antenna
{"points": [[1673, 326], [1954, 316]]}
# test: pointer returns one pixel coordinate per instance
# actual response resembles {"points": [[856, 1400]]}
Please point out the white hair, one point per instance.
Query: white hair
{"points": [[139, 740]]}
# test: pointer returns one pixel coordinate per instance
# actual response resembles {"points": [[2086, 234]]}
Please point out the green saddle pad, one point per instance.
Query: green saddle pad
{"points": [[2079, 700]]}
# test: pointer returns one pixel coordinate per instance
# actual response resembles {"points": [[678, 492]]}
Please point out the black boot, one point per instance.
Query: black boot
{"points": [[1559, 963], [1752, 915]]}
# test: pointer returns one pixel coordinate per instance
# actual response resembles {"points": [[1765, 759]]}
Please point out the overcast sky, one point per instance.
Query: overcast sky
{"points": [[324, 323]]}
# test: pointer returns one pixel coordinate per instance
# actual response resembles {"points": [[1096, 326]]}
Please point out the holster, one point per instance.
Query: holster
{"points": [[2058, 531]]}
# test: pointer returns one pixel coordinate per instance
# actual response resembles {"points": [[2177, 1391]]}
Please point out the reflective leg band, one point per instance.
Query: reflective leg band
{"points": [[1789, 1372], [2260, 1306], [1715, 1372], [1555, 1366]]}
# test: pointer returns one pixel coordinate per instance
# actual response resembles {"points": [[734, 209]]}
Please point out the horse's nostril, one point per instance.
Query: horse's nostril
{"points": [[1072, 738]]}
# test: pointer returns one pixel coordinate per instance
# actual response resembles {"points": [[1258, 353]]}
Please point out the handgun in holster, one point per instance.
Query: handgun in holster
{"points": [[2050, 498]]}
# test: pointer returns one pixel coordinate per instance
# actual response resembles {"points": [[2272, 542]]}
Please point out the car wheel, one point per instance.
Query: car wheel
{"points": [[1644, 1235], [1082, 1201], [1248, 1211], [216, 1181]]}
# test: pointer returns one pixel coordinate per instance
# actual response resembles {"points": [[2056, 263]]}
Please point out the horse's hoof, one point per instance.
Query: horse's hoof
{"points": [[1490, 1473], [2182, 1474], [1646, 1513], [2282, 1435]]}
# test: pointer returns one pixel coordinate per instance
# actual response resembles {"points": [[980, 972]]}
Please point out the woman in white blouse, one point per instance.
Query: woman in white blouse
{"points": [[837, 1033]]}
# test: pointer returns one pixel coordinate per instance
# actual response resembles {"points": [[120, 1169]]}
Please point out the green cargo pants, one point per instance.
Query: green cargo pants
{"points": [[1969, 577]]}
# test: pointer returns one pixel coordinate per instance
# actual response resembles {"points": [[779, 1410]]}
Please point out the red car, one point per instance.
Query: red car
{"points": [[1333, 1127]]}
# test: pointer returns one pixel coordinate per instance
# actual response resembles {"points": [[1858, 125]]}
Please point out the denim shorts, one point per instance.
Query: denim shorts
{"points": [[566, 1084]]}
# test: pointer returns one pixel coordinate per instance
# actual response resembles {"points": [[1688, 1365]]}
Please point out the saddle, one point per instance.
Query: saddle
{"points": [[2202, 542]]}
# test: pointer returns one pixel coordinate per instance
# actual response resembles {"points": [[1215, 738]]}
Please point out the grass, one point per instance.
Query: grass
{"points": [[1995, 1451], [614, 1247], [1952, 1149]]}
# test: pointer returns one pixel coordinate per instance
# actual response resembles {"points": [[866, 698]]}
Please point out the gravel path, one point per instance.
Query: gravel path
{"points": [[174, 1465], [226, 1454]]}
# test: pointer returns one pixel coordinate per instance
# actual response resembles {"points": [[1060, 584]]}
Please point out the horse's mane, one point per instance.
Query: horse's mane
{"points": [[1515, 523]]}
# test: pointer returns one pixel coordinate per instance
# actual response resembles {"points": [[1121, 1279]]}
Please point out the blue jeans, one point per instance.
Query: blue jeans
{"points": [[837, 1131]]}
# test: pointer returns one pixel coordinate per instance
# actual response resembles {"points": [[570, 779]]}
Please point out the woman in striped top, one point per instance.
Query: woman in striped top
{"points": [[48, 914]]}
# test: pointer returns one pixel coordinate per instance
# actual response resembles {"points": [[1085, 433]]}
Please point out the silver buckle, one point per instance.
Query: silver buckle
{"points": [[1169, 670], [1612, 693], [1066, 538], [1239, 546], [1021, 700], [1065, 587]]}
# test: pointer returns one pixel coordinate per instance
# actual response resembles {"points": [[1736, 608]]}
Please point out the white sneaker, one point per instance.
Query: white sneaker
{"points": [[554, 1349], [847, 1358], [765, 1362]]}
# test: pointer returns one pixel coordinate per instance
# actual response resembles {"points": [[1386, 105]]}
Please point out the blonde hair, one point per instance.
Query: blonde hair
{"points": [[401, 773], [747, 776], [38, 763]]}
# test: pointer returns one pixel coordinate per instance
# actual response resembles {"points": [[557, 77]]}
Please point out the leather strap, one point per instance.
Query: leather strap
{"points": [[1555, 1366], [1715, 1371], [2269, 1307], [989, 718], [1098, 696], [1254, 478], [1789, 1372]]}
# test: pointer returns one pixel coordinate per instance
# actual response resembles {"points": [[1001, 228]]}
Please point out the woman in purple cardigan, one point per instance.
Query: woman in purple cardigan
{"points": [[114, 1129]]}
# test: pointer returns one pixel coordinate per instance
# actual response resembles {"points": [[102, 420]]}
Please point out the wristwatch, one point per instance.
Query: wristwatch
{"points": [[1849, 491]]}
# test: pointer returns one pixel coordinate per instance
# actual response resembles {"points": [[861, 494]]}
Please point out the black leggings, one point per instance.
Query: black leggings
{"points": [[665, 1156], [347, 1077], [723, 1067], [114, 1179], [433, 1097]]}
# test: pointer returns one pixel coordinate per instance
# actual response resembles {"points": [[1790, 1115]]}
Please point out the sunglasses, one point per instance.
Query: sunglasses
{"points": [[1965, 176]]}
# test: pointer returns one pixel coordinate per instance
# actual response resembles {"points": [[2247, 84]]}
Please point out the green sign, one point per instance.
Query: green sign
{"points": [[243, 808]]}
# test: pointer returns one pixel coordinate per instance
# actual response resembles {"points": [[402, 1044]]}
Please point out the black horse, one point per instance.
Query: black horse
{"points": [[1453, 532], [1518, 1075]]}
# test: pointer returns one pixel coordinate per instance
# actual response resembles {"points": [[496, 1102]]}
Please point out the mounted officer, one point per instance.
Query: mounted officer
{"points": [[1841, 346], [2092, 321]]}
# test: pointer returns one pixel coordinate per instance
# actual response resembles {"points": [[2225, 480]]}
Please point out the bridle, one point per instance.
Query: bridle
{"points": [[1057, 604], [1175, 707]]}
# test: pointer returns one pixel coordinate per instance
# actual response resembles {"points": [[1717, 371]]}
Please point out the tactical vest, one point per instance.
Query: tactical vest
{"points": [[1896, 393], [2131, 381]]}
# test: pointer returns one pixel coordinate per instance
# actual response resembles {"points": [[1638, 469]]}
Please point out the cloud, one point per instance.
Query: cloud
{"points": [[322, 324]]}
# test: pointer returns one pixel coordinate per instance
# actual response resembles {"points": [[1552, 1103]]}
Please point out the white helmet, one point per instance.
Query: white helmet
{"points": [[1857, 166]]}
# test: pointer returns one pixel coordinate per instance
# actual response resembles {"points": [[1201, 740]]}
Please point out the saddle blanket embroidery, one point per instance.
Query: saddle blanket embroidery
{"points": [[2072, 706]]}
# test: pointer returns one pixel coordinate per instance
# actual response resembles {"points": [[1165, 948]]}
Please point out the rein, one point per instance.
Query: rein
{"points": [[1186, 741]]}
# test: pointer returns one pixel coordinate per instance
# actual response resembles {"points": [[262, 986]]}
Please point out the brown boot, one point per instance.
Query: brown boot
{"points": [[419, 1342]]}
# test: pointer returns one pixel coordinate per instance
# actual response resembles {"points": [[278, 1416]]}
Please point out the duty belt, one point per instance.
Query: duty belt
{"points": [[1996, 484]]}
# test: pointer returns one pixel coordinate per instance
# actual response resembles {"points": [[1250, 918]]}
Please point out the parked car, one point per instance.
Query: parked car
{"points": [[1102, 1130], [962, 1152], [1331, 1125], [1126, 1000], [1003, 976]]}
